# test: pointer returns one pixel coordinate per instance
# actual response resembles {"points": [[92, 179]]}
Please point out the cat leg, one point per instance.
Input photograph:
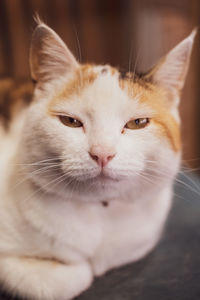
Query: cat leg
{"points": [[44, 279]]}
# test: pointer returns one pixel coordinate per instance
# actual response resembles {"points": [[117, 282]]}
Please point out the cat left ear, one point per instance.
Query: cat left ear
{"points": [[171, 72], [49, 56]]}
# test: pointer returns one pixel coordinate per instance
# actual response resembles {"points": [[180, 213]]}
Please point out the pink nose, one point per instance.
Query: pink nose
{"points": [[102, 155]]}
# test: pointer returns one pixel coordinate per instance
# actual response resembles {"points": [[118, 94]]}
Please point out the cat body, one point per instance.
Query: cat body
{"points": [[53, 232], [87, 169]]}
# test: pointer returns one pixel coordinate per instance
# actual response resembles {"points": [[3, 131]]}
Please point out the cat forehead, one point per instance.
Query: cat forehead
{"points": [[107, 84], [83, 78]]}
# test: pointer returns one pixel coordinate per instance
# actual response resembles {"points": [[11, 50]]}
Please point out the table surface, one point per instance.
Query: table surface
{"points": [[172, 270]]}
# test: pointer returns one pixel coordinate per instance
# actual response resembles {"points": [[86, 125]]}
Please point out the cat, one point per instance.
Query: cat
{"points": [[87, 168]]}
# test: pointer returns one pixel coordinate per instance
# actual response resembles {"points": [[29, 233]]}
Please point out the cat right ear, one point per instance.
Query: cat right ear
{"points": [[171, 72], [49, 56]]}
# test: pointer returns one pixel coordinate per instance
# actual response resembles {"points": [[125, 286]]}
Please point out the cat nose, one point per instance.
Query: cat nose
{"points": [[102, 155]]}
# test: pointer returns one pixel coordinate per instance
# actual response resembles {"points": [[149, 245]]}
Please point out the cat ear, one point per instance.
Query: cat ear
{"points": [[171, 71], [49, 56]]}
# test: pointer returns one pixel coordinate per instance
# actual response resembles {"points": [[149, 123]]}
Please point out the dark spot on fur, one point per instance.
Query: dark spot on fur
{"points": [[105, 203], [140, 78], [122, 74], [104, 70]]}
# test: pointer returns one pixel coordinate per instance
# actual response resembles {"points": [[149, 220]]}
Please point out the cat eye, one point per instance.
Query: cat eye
{"points": [[137, 123], [70, 122]]}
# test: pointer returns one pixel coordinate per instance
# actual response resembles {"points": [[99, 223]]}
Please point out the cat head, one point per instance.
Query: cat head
{"points": [[95, 134]]}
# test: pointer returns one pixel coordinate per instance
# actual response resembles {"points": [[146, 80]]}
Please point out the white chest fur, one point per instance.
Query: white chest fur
{"points": [[106, 236]]}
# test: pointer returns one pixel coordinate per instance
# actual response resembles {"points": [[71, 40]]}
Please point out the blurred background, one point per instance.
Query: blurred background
{"points": [[130, 34]]}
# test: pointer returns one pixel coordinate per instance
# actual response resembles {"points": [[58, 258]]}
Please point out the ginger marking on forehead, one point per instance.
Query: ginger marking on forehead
{"points": [[83, 77], [134, 86]]}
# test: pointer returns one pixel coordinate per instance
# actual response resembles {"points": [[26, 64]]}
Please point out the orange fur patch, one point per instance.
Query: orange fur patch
{"points": [[171, 129], [83, 77], [113, 70], [158, 100]]}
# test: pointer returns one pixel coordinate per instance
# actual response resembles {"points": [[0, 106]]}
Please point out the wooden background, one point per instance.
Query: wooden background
{"points": [[132, 34]]}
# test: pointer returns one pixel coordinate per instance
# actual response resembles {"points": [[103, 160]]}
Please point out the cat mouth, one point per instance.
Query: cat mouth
{"points": [[100, 176], [104, 177]]}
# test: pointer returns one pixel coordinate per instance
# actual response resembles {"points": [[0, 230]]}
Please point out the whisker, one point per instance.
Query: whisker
{"points": [[44, 186], [39, 171], [41, 161], [78, 44], [137, 57], [192, 181], [130, 57], [159, 172]]}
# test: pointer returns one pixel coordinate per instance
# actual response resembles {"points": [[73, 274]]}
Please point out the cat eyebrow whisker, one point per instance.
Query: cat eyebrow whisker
{"points": [[78, 44], [130, 57]]}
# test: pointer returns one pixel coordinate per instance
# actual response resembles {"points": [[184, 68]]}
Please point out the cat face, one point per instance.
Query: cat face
{"points": [[96, 135]]}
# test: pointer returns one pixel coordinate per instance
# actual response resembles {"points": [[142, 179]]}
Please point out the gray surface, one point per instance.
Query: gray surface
{"points": [[172, 270]]}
